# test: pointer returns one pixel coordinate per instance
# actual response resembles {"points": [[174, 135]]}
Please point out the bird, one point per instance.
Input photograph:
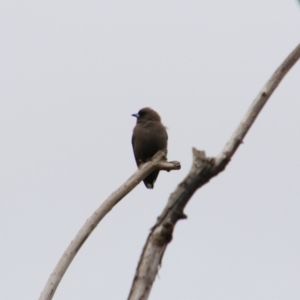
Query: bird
{"points": [[149, 136]]}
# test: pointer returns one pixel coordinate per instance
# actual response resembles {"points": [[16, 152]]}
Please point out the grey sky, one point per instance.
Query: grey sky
{"points": [[71, 75]]}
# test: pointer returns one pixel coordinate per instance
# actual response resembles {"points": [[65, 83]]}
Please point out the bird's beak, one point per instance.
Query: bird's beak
{"points": [[136, 115]]}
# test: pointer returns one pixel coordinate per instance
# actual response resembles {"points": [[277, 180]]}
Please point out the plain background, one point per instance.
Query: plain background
{"points": [[72, 73]]}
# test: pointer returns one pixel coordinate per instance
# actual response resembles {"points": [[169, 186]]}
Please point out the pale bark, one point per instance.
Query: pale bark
{"points": [[158, 162], [203, 169]]}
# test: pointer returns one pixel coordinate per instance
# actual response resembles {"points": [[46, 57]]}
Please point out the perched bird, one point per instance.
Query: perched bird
{"points": [[149, 136]]}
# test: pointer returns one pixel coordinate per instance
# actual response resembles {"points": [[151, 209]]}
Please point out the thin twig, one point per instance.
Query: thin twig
{"points": [[158, 162]]}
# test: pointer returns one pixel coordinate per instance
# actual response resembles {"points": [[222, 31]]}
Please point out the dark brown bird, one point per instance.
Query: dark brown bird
{"points": [[149, 136]]}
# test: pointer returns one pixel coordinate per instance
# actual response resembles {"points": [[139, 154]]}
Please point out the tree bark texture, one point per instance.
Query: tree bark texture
{"points": [[203, 169]]}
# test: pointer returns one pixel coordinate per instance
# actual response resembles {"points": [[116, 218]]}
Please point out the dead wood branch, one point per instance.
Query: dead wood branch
{"points": [[158, 162], [203, 169]]}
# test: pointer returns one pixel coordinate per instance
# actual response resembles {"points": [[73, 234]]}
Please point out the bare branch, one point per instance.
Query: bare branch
{"points": [[158, 162], [258, 104], [203, 169]]}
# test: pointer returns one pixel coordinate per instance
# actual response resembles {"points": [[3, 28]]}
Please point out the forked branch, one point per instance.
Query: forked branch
{"points": [[203, 169]]}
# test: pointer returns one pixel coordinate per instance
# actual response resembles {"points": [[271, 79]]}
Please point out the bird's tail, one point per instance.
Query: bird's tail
{"points": [[150, 180]]}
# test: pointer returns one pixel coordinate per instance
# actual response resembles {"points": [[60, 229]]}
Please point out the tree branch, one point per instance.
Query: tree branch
{"points": [[203, 169], [158, 162]]}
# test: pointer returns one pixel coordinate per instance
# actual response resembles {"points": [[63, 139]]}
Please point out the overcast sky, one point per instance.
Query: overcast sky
{"points": [[72, 73]]}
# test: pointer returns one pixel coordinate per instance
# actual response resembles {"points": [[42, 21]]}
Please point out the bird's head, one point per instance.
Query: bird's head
{"points": [[146, 114]]}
